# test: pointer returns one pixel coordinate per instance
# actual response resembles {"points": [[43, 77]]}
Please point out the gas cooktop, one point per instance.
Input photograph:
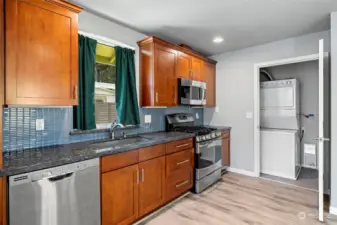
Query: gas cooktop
{"points": [[199, 130]]}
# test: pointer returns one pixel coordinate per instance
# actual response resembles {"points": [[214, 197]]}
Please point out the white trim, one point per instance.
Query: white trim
{"points": [[257, 67], [333, 210], [273, 173], [105, 40], [243, 172]]}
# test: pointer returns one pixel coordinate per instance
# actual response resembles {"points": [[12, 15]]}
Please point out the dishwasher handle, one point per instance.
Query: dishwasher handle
{"points": [[60, 177]]}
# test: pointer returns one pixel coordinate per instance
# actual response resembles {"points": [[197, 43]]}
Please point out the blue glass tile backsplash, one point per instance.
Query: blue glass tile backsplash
{"points": [[19, 126]]}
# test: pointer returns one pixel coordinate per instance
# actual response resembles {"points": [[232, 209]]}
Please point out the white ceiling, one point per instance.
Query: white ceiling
{"points": [[242, 23]]}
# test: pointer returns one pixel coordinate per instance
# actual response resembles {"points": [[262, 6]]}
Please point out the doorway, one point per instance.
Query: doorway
{"points": [[304, 171]]}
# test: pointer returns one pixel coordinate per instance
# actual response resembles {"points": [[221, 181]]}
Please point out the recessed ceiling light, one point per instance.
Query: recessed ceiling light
{"points": [[218, 39]]}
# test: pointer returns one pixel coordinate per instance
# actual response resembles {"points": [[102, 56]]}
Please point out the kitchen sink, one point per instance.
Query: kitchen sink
{"points": [[117, 143]]}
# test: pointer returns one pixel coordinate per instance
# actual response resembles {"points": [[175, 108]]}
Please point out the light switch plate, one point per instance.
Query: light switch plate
{"points": [[147, 119], [39, 124], [249, 115], [197, 115]]}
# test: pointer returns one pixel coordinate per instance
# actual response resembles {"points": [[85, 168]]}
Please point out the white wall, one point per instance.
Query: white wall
{"points": [[235, 89], [333, 200], [91, 23]]}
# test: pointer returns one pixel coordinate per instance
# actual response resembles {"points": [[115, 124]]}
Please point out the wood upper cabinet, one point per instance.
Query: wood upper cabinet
{"points": [[210, 78], [119, 196], [41, 52], [197, 69], [165, 76], [184, 66], [152, 185], [158, 81]]}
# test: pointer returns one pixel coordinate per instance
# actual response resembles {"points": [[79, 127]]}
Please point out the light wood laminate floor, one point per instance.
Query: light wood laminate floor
{"points": [[239, 199]]}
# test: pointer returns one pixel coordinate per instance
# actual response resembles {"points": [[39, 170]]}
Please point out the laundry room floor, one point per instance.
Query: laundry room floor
{"points": [[239, 199], [308, 178]]}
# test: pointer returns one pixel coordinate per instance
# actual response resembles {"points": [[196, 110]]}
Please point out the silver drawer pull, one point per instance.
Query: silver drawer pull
{"points": [[179, 146], [181, 184], [182, 162]]}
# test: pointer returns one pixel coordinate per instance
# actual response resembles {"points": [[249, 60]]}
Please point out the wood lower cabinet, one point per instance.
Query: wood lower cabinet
{"points": [[41, 54], [226, 152], [119, 196], [152, 185], [132, 189], [210, 78]]}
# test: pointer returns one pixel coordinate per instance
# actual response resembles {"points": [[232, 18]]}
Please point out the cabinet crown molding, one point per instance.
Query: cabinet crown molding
{"points": [[154, 39], [67, 5]]}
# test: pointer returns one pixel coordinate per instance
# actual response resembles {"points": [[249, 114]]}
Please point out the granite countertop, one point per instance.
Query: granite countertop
{"points": [[18, 162]]}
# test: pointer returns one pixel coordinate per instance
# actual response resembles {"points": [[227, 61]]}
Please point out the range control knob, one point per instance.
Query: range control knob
{"points": [[218, 134], [203, 138]]}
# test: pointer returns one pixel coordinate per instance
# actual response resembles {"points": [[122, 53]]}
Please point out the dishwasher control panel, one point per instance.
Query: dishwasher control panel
{"points": [[51, 172]]}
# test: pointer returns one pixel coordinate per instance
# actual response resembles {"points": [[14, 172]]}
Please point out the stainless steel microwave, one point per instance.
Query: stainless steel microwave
{"points": [[191, 92]]}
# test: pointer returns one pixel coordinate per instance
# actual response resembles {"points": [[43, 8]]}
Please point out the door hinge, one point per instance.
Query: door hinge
{"points": [[156, 97], [75, 94]]}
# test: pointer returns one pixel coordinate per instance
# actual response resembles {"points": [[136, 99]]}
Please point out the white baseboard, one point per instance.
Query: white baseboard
{"points": [[333, 210], [243, 172], [276, 174], [309, 167]]}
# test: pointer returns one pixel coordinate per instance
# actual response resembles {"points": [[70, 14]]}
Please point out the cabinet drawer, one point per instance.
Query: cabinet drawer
{"points": [[151, 152], [113, 162], [179, 161], [179, 183], [177, 146]]}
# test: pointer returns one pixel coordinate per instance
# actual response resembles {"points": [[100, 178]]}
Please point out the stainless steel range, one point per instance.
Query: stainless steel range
{"points": [[207, 149]]}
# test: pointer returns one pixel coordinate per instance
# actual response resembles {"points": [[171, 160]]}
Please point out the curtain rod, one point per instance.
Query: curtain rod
{"points": [[105, 40]]}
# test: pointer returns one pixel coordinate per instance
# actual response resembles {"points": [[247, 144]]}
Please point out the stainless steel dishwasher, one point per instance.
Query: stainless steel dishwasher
{"points": [[64, 195]]}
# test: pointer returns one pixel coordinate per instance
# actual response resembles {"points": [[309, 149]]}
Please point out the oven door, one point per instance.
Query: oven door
{"points": [[208, 157]]}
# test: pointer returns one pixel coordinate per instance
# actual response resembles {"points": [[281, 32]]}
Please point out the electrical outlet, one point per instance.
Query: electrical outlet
{"points": [[217, 109], [147, 119], [197, 115], [39, 124]]}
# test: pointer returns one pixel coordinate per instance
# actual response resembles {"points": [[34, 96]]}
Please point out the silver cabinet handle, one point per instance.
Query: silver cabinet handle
{"points": [[181, 184], [182, 162], [322, 139], [143, 175], [137, 176], [179, 146]]}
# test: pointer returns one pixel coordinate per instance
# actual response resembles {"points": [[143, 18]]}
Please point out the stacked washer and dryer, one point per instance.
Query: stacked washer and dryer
{"points": [[280, 128]]}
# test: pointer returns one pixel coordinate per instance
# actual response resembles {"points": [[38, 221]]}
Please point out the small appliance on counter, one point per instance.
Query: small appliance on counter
{"points": [[191, 92], [207, 143]]}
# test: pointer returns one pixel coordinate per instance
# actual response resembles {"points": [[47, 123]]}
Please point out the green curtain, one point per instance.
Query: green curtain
{"points": [[126, 91], [84, 113]]}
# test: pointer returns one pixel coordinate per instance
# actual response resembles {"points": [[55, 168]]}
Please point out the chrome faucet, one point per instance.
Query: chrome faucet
{"points": [[114, 125]]}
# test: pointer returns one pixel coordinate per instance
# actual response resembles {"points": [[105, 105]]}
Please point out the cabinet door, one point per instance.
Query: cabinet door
{"points": [[184, 64], [209, 74], [152, 185], [226, 151], [119, 191], [41, 53], [197, 65], [165, 81]]}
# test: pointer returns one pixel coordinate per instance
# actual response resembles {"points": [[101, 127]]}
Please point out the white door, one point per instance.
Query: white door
{"points": [[321, 138]]}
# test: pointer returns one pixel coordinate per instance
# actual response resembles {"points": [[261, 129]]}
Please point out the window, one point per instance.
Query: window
{"points": [[105, 77]]}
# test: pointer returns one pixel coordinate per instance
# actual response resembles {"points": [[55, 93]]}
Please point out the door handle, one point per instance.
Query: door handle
{"points": [[75, 92], [60, 177], [181, 184], [143, 175], [180, 146], [182, 162], [322, 139]]}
